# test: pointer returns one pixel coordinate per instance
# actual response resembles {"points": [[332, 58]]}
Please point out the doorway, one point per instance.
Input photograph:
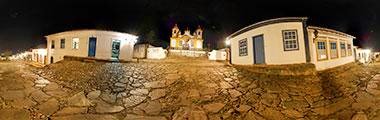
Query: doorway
{"points": [[115, 49], [51, 60], [258, 49], [92, 47]]}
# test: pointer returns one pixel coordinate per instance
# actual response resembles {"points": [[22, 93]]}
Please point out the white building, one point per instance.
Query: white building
{"points": [[39, 55], [290, 41], [99, 44], [156, 53], [26, 55], [147, 51], [217, 55], [363, 55], [140, 50]]}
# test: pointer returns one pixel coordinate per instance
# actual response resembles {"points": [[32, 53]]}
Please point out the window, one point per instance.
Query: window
{"points": [[333, 50], [342, 49], [243, 47], [75, 43], [349, 50], [321, 50], [63, 43], [52, 44], [290, 40]]}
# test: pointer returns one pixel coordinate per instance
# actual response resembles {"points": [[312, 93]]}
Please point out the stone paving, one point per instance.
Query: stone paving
{"points": [[184, 89]]}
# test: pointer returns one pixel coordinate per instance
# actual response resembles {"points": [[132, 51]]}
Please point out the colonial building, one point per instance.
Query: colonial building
{"points": [[363, 55], [147, 51], [186, 41], [39, 55], [290, 41], [220, 55], [97, 44]]}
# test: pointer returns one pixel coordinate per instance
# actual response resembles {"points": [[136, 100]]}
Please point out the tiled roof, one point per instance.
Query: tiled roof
{"points": [[267, 22]]}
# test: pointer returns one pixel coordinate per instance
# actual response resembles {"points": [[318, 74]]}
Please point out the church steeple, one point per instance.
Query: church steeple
{"points": [[199, 32], [187, 31], [175, 31]]}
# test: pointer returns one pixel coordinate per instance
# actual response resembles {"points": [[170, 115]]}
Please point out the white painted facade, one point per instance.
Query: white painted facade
{"points": [[301, 48], [27, 55], [140, 51], [156, 53], [39, 55], [273, 47], [363, 55], [329, 36], [217, 55], [76, 43]]}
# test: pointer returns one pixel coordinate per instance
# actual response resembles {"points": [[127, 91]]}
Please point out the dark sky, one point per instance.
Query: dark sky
{"points": [[24, 23]]}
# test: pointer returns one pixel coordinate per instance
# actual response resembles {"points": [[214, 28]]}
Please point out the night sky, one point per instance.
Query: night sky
{"points": [[23, 24]]}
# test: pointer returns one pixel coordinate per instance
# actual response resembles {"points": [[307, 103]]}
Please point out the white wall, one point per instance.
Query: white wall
{"points": [[38, 55], [139, 51], [365, 55], [217, 55], [273, 45], [156, 53], [187, 53], [103, 45]]}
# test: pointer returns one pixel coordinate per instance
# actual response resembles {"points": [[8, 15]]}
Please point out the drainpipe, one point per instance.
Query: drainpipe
{"points": [[228, 50], [307, 44], [48, 50]]}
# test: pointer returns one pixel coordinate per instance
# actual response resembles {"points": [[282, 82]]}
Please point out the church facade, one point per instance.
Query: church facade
{"points": [[186, 41]]}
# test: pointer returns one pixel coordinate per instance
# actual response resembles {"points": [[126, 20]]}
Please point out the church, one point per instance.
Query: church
{"points": [[186, 41]]}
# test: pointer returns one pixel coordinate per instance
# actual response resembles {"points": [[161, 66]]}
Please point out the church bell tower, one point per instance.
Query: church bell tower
{"points": [[199, 32], [175, 31]]}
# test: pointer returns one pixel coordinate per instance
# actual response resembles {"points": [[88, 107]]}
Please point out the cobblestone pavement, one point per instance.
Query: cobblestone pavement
{"points": [[184, 89]]}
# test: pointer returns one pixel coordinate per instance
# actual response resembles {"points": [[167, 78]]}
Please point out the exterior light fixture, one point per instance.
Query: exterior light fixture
{"points": [[315, 35], [227, 42]]}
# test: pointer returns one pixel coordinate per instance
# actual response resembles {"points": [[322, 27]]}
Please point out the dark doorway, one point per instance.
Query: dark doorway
{"points": [[92, 47], [51, 60], [258, 49], [115, 49]]}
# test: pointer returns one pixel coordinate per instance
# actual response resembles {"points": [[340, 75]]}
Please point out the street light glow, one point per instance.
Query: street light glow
{"points": [[227, 42]]}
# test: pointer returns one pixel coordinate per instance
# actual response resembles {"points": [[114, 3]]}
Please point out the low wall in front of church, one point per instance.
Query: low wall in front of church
{"points": [[187, 53]]}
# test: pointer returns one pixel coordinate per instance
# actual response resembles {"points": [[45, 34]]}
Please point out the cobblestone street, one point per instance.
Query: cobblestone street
{"points": [[184, 89]]}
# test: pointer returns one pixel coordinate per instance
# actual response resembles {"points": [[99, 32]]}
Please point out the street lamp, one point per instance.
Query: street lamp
{"points": [[227, 42]]}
